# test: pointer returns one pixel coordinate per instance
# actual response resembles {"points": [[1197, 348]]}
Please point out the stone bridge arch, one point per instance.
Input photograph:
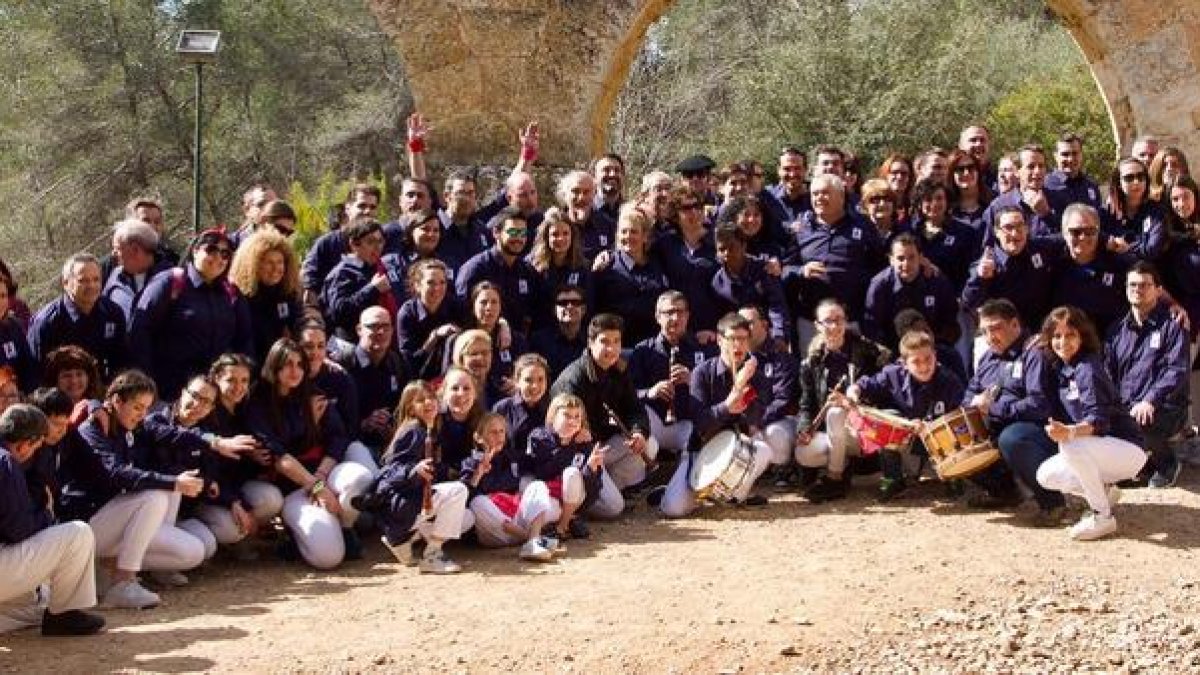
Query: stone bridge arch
{"points": [[482, 68]]}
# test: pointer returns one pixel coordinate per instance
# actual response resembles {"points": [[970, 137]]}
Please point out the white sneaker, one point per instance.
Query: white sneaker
{"points": [[1114, 495], [552, 544], [1093, 526], [130, 595], [535, 551], [14, 617], [403, 553], [169, 579], [438, 563]]}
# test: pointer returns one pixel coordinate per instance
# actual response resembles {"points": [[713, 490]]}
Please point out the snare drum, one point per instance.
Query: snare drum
{"points": [[959, 444], [878, 430], [723, 466]]}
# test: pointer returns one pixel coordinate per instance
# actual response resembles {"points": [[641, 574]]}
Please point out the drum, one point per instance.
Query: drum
{"points": [[722, 466], [958, 444], [878, 430]]}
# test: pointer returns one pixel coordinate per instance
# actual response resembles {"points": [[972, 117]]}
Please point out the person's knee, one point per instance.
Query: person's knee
{"points": [[326, 557], [813, 455], [455, 492], [79, 536], [676, 506], [267, 502]]}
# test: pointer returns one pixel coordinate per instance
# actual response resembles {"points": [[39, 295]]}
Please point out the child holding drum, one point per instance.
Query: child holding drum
{"points": [[918, 389]]}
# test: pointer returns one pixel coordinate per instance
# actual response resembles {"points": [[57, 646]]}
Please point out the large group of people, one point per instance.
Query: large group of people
{"points": [[482, 368]]}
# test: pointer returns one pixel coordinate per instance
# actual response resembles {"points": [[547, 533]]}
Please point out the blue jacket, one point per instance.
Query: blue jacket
{"points": [[1149, 362], [20, 516], [1084, 392], [894, 388], [102, 332], [1019, 372]]}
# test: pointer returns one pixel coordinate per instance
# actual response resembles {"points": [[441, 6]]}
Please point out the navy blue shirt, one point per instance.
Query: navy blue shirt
{"points": [[378, 385], [1018, 374], [503, 476], [1027, 279], [649, 363], [414, 324], [348, 291], [549, 456], [1083, 392], [124, 289], [1181, 269], [339, 389], [1144, 231], [753, 286], [1039, 226], [690, 271], [556, 348], [849, 249], [780, 211], [102, 333], [711, 383], [888, 295], [522, 419], [782, 373], [1062, 191], [274, 315], [1149, 362], [460, 243], [596, 234], [548, 284], [952, 249], [285, 431], [894, 388], [1098, 288], [518, 282], [328, 249], [20, 516], [631, 291], [182, 324], [16, 354]]}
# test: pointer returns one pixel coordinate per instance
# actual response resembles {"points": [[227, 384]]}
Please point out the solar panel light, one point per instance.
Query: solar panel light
{"points": [[198, 46]]}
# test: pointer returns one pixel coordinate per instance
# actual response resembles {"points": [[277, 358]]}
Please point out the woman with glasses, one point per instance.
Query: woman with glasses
{"points": [[557, 256], [969, 195], [1133, 221], [688, 257], [308, 444], [190, 315], [361, 280], [267, 272], [879, 206]]}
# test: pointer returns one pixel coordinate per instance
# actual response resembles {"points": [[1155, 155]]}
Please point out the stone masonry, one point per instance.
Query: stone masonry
{"points": [[481, 69]]}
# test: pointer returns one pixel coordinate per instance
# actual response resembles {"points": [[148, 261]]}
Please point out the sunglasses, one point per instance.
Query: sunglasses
{"points": [[223, 251], [570, 302], [964, 168], [516, 232], [1082, 232], [879, 199], [1134, 177]]}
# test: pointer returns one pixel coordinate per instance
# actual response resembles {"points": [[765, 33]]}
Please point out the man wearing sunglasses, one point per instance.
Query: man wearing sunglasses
{"points": [[564, 341], [504, 265]]}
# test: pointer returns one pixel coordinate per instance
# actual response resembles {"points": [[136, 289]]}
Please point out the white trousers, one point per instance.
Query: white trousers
{"points": [[135, 529], [672, 437], [62, 556], [780, 436], [1086, 466], [451, 517], [625, 467], [318, 532], [828, 449], [489, 519], [264, 500], [680, 499]]}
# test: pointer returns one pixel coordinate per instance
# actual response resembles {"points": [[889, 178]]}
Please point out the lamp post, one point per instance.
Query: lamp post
{"points": [[198, 47]]}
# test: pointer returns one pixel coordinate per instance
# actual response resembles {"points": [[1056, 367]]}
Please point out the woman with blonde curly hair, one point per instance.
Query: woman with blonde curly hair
{"points": [[267, 271]]}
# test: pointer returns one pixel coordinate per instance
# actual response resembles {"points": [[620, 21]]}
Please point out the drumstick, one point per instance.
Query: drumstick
{"points": [[820, 416]]}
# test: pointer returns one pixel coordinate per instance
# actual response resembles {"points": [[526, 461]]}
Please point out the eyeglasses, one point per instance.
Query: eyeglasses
{"points": [[222, 251], [1082, 232], [1010, 228], [199, 396], [673, 311], [831, 323], [570, 302], [879, 199], [1139, 177], [516, 232], [965, 168]]}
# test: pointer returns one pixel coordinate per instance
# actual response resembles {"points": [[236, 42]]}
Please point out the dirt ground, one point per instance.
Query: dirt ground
{"points": [[919, 585]]}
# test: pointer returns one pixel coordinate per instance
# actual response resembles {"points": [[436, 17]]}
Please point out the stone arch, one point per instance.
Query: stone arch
{"points": [[482, 68]]}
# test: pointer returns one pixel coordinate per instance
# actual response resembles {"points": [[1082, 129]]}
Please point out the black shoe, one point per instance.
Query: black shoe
{"points": [[354, 548], [578, 529], [890, 488], [655, 496], [989, 501], [752, 500], [71, 622], [826, 489], [287, 550], [809, 476]]}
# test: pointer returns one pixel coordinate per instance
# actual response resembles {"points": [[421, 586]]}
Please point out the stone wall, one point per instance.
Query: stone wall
{"points": [[481, 69]]}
